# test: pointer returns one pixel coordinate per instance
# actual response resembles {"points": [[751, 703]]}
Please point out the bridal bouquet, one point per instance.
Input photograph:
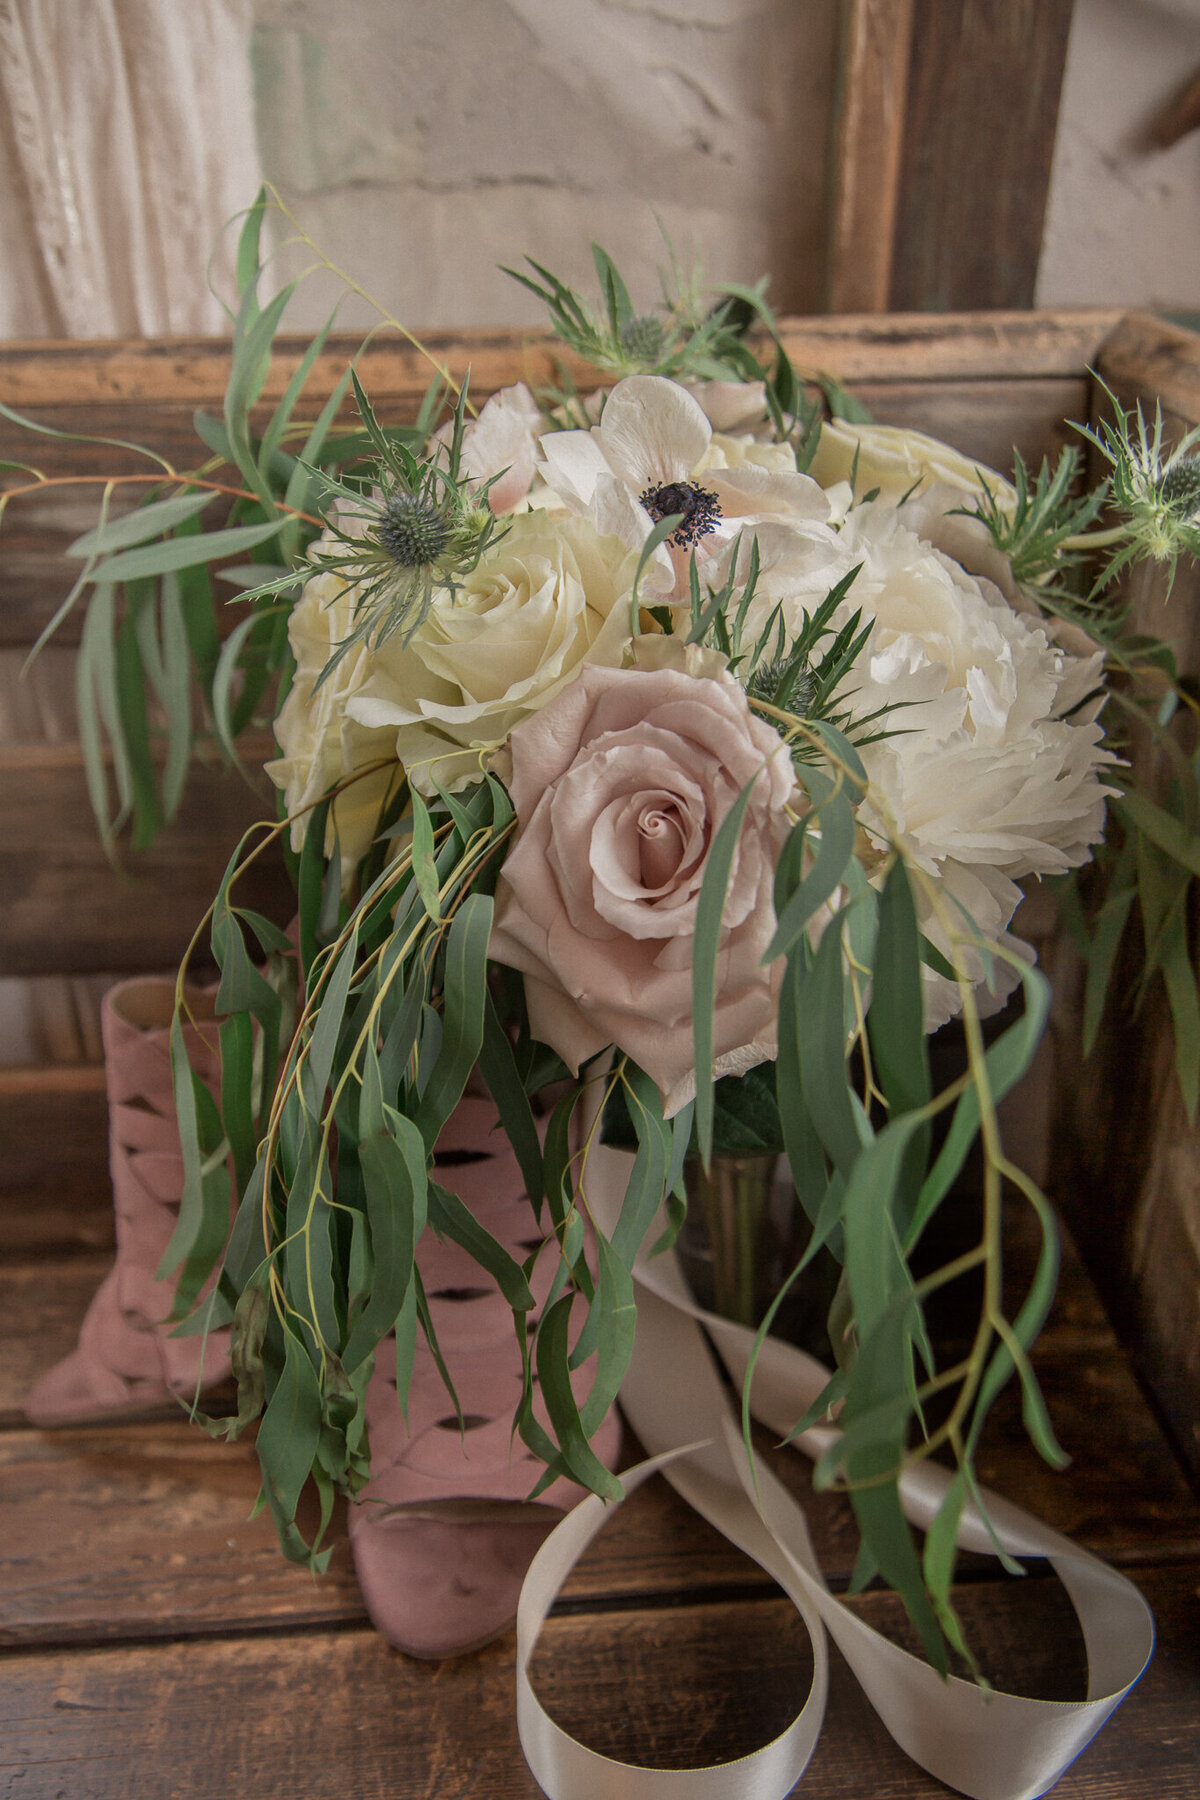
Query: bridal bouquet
{"points": [[666, 753]]}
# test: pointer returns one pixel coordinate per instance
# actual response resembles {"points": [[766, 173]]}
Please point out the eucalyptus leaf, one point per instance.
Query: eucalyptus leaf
{"points": [[554, 1376], [463, 996], [287, 1444], [394, 1175], [183, 552], [139, 526], [706, 942]]}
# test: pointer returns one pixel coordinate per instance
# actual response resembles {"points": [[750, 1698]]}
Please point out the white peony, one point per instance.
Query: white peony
{"points": [[550, 596], [993, 774]]}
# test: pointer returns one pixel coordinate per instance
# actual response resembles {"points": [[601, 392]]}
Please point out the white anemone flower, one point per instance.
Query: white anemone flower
{"points": [[651, 457]]}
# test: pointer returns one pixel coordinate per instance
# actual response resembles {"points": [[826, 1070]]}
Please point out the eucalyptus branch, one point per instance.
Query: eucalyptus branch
{"points": [[354, 287], [172, 478]]}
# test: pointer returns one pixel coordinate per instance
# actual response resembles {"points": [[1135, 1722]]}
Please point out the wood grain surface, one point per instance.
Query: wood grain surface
{"points": [[981, 109], [188, 372], [871, 102], [157, 1644], [327, 1713], [67, 909]]}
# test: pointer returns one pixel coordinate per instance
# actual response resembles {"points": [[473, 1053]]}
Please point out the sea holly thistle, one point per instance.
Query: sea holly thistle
{"points": [[406, 529], [790, 680], [1155, 490], [691, 336], [674, 339]]}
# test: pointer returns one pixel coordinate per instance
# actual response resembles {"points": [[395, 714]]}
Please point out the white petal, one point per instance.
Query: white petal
{"points": [[652, 431], [751, 491], [573, 461]]}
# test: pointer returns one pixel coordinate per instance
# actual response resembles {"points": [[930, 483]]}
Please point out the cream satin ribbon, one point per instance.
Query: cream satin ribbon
{"points": [[993, 1746]]}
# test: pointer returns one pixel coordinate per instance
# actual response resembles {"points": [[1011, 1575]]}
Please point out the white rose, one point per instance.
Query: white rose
{"points": [[550, 596], [320, 745], [729, 451], [898, 461]]}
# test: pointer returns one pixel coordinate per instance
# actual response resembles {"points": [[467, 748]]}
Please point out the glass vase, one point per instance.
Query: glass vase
{"points": [[744, 1233]]}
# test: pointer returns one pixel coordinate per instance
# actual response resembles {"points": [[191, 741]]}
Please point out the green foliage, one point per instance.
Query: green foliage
{"points": [[1039, 534], [672, 341], [792, 679], [1147, 868], [153, 674]]}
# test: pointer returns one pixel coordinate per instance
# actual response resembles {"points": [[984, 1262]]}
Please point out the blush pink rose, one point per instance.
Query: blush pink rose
{"points": [[620, 785]]}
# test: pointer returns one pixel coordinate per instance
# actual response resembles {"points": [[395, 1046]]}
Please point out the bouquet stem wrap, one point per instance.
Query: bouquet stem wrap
{"points": [[990, 1746]]}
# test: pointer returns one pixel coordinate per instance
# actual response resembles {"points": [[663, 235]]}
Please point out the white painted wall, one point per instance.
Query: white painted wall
{"points": [[422, 142], [1123, 222]]}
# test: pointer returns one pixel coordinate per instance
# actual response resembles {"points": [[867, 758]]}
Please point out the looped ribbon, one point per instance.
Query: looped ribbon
{"points": [[988, 1745]]}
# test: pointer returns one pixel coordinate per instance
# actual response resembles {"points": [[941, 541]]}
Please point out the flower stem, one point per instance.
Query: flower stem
{"points": [[1094, 540]]}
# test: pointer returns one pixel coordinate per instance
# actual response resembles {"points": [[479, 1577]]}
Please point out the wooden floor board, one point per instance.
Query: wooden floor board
{"points": [[127, 1533], [157, 1644], [326, 1714], [143, 1530]]}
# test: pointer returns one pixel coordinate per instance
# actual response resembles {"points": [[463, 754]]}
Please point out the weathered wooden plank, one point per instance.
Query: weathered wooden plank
{"points": [[984, 419], [55, 1197], [188, 372], [1125, 1154], [1148, 356], [121, 1533], [869, 134], [67, 910], [326, 1713], [980, 118], [125, 1533], [145, 1531]]}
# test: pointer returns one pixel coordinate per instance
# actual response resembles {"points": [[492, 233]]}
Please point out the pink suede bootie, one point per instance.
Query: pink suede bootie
{"points": [[125, 1361], [443, 1533]]}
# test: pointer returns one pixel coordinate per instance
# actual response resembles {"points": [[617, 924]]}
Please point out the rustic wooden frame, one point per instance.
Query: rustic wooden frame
{"points": [[944, 127]]}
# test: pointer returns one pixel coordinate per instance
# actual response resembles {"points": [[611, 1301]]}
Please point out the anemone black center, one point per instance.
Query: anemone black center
{"points": [[700, 508], [412, 530]]}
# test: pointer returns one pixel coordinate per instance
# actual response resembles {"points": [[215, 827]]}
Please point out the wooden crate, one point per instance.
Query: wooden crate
{"points": [[984, 382], [152, 1635]]}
